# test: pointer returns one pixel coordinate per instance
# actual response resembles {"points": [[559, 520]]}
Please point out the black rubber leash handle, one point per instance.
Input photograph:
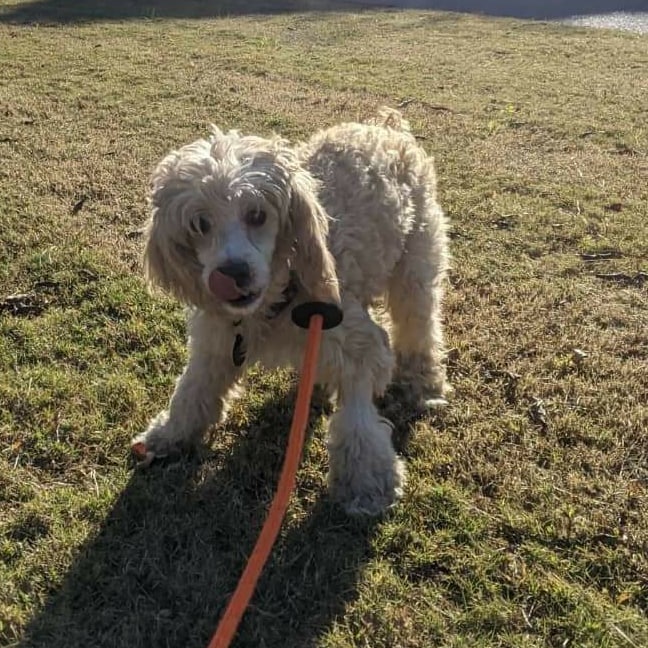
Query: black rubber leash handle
{"points": [[331, 314]]}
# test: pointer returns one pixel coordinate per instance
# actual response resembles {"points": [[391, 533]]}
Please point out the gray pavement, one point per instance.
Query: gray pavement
{"points": [[629, 15], [634, 22]]}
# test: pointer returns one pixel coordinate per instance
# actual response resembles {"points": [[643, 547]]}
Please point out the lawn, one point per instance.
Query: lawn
{"points": [[525, 521]]}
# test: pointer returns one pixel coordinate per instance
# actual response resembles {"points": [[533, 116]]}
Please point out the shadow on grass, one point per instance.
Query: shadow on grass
{"points": [[167, 557], [69, 11]]}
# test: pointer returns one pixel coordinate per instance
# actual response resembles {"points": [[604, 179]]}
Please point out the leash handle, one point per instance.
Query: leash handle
{"points": [[245, 588]]}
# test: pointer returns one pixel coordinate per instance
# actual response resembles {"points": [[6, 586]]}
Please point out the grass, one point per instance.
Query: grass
{"points": [[525, 521]]}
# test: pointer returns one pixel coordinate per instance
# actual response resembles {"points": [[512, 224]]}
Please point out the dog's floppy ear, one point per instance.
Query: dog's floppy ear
{"points": [[169, 263], [314, 264]]}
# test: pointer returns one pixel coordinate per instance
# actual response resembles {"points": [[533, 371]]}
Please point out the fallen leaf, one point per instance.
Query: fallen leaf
{"points": [[78, 205], [538, 414]]}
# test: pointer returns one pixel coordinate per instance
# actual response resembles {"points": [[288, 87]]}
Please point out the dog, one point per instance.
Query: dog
{"points": [[242, 229]]}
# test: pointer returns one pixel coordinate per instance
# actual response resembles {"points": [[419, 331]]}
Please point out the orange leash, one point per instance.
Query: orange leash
{"points": [[245, 588]]}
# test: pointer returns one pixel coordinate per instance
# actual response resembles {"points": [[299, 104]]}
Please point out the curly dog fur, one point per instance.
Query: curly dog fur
{"points": [[243, 228]]}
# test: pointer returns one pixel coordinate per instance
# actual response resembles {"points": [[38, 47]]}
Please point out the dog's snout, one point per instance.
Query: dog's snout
{"points": [[239, 271]]}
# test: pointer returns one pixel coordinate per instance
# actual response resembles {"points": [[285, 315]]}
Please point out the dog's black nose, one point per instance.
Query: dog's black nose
{"points": [[237, 270]]}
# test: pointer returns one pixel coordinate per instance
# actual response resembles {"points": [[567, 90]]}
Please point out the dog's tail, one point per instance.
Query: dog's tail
{"points": [[390, 118]]}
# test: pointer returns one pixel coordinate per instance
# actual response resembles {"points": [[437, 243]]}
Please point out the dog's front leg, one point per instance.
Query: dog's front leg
{"points": [[366, 475], [199, 397]]}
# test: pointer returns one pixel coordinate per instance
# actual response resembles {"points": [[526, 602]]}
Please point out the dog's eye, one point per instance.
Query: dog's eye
{"points": [[255, 217], [201, 225]]}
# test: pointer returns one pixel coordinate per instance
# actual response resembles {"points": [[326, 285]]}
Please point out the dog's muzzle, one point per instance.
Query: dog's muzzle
{"points": [[230, 283]]}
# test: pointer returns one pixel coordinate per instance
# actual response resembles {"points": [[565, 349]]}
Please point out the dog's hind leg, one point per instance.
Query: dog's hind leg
{"points": [[413, 300]]}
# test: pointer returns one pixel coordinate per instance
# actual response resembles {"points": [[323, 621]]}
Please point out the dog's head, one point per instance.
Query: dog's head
{"points": [[225, 213]]}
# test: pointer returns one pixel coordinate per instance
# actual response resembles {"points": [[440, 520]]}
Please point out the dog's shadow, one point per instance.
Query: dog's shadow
{"points": [[169, 554]]}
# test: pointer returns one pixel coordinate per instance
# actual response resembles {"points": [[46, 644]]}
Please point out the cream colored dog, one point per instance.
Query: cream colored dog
{"points": [[243, 229]]}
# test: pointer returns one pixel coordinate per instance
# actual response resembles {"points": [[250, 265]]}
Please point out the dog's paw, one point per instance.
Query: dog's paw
{"points": [[146, 452], [143, 457], [369, 492], [402, 402], [158, 442]]}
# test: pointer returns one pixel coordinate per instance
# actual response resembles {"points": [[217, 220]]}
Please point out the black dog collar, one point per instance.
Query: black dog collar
{"points": [[239, 350]]}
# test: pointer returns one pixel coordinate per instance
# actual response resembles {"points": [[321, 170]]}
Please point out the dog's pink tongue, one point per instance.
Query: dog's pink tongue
{"points": [[223, 287]]}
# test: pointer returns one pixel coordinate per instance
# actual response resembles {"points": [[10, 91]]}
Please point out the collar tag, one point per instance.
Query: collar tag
{"points": [[238, 351]]}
